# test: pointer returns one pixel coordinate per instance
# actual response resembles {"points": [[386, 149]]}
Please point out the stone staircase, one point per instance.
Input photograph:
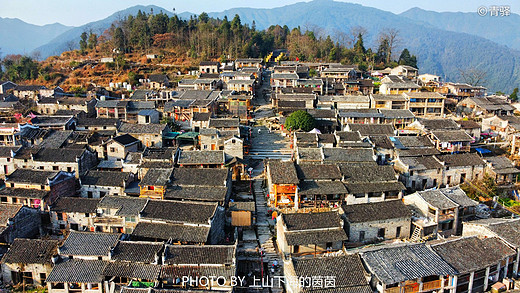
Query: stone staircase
{"points": [[269, 145], [264, 234]]}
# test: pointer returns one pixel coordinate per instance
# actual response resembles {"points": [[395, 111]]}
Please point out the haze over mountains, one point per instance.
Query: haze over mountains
{"points": [[18, 37], [444, 43]]}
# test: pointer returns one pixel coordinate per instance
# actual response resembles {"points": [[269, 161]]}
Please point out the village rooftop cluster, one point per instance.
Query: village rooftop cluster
{"points": [[406, 183]]}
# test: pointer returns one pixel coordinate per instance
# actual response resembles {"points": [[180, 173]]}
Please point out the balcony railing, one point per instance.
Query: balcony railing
{"points": [[446, 217], [432, 285], [414, 288]]}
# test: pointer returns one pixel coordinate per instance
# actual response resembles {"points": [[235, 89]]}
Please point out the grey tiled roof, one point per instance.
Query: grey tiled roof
{"points": [[396, 113], [201, 157], [200, 177], [24, 193], [309, 221], [8, 211], [78, 271], [31, 251], [105, 178], [176, 232], [439, 124], [421, 163], [339, 155], [318, 172], [57, 139], [224, 122], [125, 139], [372, 129], [175, 272], [132, 270], [376, 211], [473, 254], [75, 205], [457, 195], [179, 211], [89, 243], [462, 159], [62, 155], [415, 152], [348, 272], [201, 193], [508, 231], [308, 237], [321, 188], [398, 264], [437, 199], [5, 151], [282, 172], [156, 177], [452, 135], [142, 128], [137, 251], [348, 135], [355, 173], [30, 176], [125, 205], [355, 188], [197, 255]]}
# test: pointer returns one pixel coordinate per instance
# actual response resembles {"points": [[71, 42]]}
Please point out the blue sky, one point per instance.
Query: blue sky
{"points": [[79, 12]]}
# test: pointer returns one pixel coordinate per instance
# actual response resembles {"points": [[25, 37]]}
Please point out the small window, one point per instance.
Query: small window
{"points": [[60, 216], [397, 232], [69, 169], [112, 150], [87, 215], [361, 236], [42, 187], [55, 168], [381, 233]]}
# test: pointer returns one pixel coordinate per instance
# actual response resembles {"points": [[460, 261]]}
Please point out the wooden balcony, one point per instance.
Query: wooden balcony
{"points": [[392, 290], [432, 285], [447, 217], [414, 288]]}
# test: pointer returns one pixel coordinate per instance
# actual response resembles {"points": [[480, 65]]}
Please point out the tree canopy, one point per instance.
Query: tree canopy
{"points": [[300, 120]]}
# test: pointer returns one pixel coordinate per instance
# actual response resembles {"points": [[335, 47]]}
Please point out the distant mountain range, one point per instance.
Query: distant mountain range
{"points": [[502, 30], [62, 41], [444, 43], [18, 37]]}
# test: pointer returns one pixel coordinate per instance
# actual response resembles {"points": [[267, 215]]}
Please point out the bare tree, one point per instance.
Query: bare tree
{"points": [[70, 45], [392, 36], [36, 55], [355, 32], [342, 38], [473, 76]]}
